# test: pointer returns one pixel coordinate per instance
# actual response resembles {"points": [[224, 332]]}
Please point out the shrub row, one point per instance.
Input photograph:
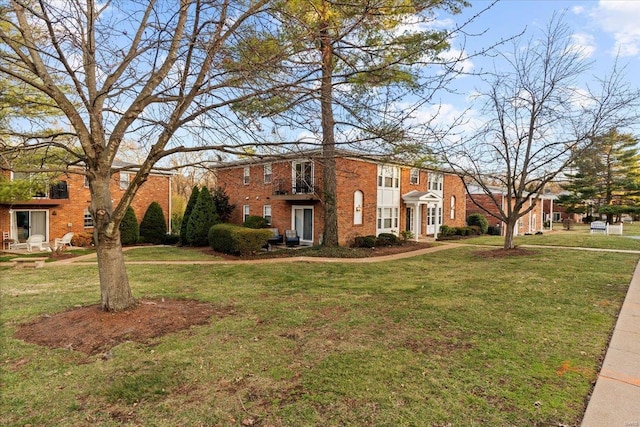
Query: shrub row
{"points": [[383, 239], [236, 240], [446, 231]]}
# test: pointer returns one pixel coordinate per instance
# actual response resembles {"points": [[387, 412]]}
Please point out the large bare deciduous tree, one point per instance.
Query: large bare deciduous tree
{"points": [[158, 73], [537, 115]]}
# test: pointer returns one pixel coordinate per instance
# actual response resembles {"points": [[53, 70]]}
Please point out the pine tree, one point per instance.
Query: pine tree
{"points": [[187, 213], [221, 201], [129, 229], [153, 227], [201, 219], [607, 173]]}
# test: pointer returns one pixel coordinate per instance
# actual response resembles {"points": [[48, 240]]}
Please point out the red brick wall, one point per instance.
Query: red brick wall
{"points": [[526, 223], [352, 175], [453, 186], [68, 214]]}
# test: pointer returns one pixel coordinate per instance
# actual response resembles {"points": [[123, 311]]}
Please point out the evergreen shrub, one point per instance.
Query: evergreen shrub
{"points": [[153, 227], [364, 242], [254, 221], [479, 220], [129, 229]]}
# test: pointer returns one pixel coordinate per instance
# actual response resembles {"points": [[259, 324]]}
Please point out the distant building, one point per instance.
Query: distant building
{"points": [[64, 207]]}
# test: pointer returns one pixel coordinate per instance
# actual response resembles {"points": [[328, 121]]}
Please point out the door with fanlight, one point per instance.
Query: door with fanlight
{"points": [[303, 223]]}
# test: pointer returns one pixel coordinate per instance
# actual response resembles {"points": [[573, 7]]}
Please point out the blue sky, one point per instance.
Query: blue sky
{"points": [[604, 29]]}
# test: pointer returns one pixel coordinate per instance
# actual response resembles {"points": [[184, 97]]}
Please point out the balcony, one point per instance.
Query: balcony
{"points": [[56, 192], [301, 190]]}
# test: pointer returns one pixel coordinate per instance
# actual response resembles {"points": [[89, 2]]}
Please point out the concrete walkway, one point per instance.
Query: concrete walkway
{"points": [[615, 401]]}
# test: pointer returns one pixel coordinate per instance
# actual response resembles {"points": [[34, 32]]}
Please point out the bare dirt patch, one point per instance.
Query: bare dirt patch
{"points": [[92, 331]]}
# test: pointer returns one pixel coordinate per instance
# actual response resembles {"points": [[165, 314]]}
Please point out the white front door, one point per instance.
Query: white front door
{"points": [[303, 223], [434, 218]]}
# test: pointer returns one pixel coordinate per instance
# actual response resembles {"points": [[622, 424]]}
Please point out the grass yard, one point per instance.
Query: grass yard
{"points": [[452, 338], [579, 236]]}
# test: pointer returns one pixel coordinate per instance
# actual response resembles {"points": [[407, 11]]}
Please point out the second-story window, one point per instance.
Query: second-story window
{"points": [[435, 182], [303, 177], [246, 176], [125, 180], [415, 176], [267, 173], [388, 176]]}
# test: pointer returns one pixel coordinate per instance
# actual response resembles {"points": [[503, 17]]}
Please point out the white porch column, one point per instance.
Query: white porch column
{"points": [[417, 211], [551, 215], [436, 212]]}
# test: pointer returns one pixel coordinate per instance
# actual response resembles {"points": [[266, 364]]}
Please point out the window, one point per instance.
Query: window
{"points": [[453, 207], [387, 218], [246, 176], [302, 177], [388, 177], [267, 173], [245, 212], [125, 180], [88, 219], [435, 182], [557, 217], [266, 213], [414, 179]]}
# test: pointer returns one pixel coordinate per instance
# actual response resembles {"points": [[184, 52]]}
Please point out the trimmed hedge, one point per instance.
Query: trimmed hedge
{"points": [[254, 221], [479, 220], [236, 240], [387, 239], [364, 242]]}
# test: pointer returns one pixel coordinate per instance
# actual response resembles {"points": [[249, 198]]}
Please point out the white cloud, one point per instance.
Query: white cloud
{"points": [[578, 10], [584, 44], [620, 19]]}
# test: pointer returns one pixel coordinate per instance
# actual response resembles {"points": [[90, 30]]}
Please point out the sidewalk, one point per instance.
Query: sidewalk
{"points": [[615, 401]]}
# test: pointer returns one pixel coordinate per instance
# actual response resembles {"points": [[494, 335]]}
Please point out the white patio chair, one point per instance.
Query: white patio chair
{"points": [[34, 241], [63, 241]]}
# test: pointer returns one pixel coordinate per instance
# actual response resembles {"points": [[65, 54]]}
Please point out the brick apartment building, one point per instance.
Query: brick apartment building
{"points": [[373, 197], [530, 223], [65, 206]]}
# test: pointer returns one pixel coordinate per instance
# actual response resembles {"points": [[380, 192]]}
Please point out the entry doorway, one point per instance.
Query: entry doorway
{"points": [[303, 223], [29, 222]]}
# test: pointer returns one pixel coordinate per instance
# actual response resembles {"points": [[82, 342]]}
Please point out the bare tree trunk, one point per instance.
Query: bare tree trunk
{"points": [[330, 237], [508, 234], [115, 291], [114, 284]]}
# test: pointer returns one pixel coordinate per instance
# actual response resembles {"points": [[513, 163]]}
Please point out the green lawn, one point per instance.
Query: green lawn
{"points": [[451, 338], [579, 236]]}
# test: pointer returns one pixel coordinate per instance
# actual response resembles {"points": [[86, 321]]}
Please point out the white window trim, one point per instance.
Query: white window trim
{"points": [[125, 180], [268, 177], [414, 176], [246, 178], [266, 213]]}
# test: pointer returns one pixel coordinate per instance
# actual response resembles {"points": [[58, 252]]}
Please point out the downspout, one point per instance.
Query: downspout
{"points": [[170, 205]]}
